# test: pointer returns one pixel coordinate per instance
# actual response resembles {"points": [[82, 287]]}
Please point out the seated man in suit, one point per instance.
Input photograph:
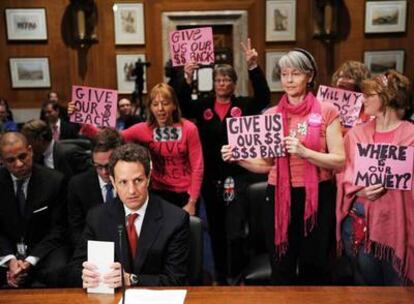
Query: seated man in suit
{"points": [[156, 233], [92, 187], [127, 117], [69, 159], [61, 128], [31, 215]]}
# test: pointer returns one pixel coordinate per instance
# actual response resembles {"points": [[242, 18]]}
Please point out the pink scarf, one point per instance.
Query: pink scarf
{"points": [[390, 218], [282, 193]]}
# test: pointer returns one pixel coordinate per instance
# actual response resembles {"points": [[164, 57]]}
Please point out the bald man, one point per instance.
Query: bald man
{"points": [[31, 216]]}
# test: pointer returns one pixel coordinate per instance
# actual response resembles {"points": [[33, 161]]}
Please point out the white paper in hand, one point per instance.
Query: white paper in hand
{"points": [[147, 296], [205, 79], [102, 255]]}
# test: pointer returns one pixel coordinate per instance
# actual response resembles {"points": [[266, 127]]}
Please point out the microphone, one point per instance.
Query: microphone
{"points": [[120, 232]]}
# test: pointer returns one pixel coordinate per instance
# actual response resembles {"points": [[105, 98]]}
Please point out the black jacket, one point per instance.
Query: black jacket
{"points": [[213, 131], [163, 244]]}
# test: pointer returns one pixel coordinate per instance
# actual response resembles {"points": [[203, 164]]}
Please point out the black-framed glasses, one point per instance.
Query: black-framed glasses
{"points": [[11, 160], [101, 167]]}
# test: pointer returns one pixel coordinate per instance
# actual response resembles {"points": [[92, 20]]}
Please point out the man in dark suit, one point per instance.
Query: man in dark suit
{"points": [[61, 129], [93, 187], [31, 215], [69, 159], [126, 118], [156, 233]]}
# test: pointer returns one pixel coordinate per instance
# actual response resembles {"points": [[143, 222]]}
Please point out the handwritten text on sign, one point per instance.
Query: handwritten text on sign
{"points": [[167, 149], [258, 136], [348, 103], [385, 164], [192, 44], [94, 106]]}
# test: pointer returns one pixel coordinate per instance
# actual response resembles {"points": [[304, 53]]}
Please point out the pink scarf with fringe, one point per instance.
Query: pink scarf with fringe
{"points": [[311, 106], [390, 218]]}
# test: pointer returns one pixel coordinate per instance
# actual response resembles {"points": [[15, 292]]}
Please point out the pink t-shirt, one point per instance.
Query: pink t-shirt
{"points": [[221, 109], [298, 127], [176, 154], [386, 136]]}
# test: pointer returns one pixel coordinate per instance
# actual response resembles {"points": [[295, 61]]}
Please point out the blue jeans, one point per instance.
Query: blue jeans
{"points": [[368, 270]]}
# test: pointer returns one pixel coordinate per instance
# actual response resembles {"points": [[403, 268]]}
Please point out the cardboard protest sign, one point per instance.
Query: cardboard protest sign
{"points": [[94, 106], [385, 164], [348, 103], [258, 136], [192, 44]]}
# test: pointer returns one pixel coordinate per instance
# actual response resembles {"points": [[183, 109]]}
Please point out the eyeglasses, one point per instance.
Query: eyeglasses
{"points": [[101, 167], [223, 80], [369, 95], [11, 160]]}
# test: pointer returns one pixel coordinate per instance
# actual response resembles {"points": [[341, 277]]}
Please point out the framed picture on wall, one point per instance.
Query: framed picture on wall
{"points": [[26, 23], [385, 16], [30, 72], [129, 23], [281, 20], [125, 72], [273, 71], [380, 61]]}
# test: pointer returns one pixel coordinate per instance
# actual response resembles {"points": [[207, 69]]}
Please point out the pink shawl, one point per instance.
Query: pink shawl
{"points": [[390, 219]]}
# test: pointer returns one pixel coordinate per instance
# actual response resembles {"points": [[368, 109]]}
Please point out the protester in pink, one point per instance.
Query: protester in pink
{"points": [[175, 148], [300, 213], [349, 76], [375, 225]]}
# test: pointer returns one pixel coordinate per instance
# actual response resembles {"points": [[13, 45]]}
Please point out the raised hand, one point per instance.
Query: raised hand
{"points": [[189, 69], [71, 107], [250, 54]]}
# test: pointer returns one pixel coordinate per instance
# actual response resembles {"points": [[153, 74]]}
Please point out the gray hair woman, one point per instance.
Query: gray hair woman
{"points": [[300, 227]]}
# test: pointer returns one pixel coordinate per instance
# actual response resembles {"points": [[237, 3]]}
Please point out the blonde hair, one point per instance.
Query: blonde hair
{"points": [[166, 92]]}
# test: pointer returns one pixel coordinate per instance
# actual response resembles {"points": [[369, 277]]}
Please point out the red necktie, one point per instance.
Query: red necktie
{"points": [[132, 233]]}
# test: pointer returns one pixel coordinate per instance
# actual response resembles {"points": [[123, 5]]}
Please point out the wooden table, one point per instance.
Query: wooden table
{"points": [[229, 295]]}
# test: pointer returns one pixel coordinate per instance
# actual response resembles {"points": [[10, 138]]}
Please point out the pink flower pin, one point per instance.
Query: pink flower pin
{"points": [[208, 114], [235, 112]]}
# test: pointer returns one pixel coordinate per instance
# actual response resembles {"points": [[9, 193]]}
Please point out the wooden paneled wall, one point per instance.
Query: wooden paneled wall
{"points": [[96, 66]]}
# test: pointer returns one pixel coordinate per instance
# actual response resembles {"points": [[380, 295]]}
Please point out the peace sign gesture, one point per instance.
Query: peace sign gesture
{"points": [[251, 54]]}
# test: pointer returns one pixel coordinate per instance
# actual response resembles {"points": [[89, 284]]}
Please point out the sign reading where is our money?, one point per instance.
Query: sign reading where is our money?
{"points": [[257, 136], [94, 106], [386, 164]]}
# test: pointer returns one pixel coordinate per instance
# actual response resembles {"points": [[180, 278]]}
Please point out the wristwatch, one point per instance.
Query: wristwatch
{"points": [[133, 279]]}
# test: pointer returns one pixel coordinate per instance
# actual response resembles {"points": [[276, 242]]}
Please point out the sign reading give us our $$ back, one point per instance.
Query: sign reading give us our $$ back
{"points": [[94, 106], [192, 45], [386, 164], [258, 136]]}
